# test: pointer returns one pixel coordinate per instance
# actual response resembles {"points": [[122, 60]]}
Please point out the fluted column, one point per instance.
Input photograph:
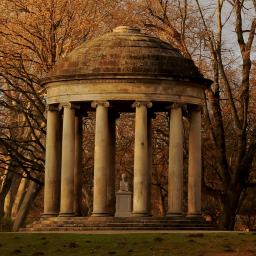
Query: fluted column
{"points": [[194, 164], [68, 161], [101, 160], [78, 178], [175, 176], [140, 196], [52, 163], [111, 196]]}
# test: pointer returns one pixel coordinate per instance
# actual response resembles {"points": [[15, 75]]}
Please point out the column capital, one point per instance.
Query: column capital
{"points": [[96, 103], [51, 108], [177, 105], [137, 104], [70, 105]]}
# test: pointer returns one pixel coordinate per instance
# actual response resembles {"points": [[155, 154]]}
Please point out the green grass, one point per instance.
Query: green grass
{"points": [[128, 244]]}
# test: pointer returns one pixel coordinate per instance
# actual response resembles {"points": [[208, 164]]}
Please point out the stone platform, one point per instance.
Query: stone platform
{"points": [[118, 223]]}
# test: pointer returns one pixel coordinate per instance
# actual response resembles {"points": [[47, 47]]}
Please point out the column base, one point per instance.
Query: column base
{"points": [[78, 214], [101, 214], [66, 214], [139, 214], [50, 214], [194, 215], [174, 214]]}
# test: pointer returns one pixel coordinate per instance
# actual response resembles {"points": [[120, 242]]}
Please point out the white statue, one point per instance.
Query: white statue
{"points": [[124, 185]]}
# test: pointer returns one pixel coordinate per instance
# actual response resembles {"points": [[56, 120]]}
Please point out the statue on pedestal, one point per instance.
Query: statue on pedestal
{"points": [[124, 198]]}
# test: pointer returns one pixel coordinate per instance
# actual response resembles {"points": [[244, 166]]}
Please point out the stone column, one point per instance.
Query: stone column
{"points": [[52, 163], [194, 164], [175, 176], [101, 159], [78, 178], [68, 161], [149, 134], [140, 196], [111, 196]]}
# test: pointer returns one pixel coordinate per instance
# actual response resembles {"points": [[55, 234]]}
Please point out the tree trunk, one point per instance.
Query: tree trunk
{"points": [[6, 184], [88, 203], [19, 197], [33, 190], [228, 216], [8, 202], [161, 202]]}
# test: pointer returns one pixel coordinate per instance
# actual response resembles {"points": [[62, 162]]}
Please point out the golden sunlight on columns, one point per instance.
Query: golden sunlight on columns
{"points": [[140, 197], [149, 134], [101, 159], [194, 164], [175, 176], [52, 162], [68, 161]]}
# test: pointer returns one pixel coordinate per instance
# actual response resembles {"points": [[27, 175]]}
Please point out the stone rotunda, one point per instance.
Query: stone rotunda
{"points": [[123, 71]]}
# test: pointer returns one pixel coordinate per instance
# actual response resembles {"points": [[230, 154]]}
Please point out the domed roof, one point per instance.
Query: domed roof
{"points": [[124, 53]]}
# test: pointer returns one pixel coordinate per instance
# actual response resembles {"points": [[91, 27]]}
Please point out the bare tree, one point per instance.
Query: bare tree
{"points": [[34, 34]]}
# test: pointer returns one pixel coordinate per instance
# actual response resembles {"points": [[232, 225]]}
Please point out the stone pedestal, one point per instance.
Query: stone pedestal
{"points": [[123, 204]]}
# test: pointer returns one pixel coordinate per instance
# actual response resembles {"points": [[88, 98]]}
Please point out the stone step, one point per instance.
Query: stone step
{"points": [[118, 225], [116, 220], [61, 229], [121, 223], [156, 225]]}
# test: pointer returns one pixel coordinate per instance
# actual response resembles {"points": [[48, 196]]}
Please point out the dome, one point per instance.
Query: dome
{"points": [[124, 53]]}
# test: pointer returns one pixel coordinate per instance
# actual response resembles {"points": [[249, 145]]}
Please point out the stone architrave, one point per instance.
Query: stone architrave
{"points": [[123, 199], [194, 164], [101, 159], [52, 163], [140, 197], [68, 161], [175, 175]]}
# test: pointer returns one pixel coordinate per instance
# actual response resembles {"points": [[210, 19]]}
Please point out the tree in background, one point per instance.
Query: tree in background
{"points": [[34, 34], [202, 32]]}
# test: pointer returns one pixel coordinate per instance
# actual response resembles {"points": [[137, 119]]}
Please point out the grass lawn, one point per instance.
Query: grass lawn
{"points": [[128, 244]]}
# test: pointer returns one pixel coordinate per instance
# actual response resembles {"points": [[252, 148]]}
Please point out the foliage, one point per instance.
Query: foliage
{"points": [[219, 38], [34, 35], [7, 224]]}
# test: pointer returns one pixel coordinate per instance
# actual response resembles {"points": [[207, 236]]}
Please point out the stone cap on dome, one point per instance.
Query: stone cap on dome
{"points": [[125, 53], [126, 29]]}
